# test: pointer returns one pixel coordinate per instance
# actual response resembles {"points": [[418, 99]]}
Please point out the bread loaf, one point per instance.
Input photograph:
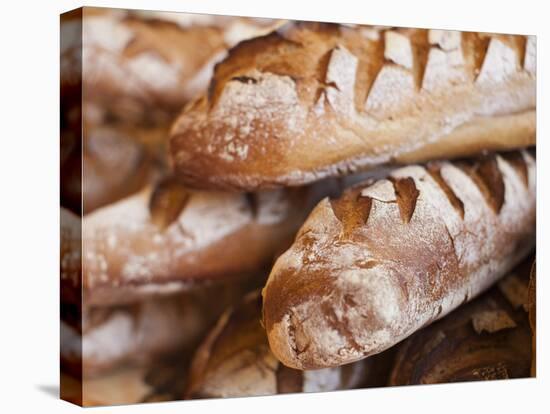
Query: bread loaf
{"points": [[235, 361], [486, 339], [167, 238], [388, 257], [312, 100]]}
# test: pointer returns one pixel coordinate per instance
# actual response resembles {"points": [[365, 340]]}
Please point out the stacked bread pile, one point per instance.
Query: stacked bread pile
{"points": [[330, 193]]}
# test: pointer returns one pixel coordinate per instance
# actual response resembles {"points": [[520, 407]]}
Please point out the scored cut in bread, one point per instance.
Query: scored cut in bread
{"points": [[312, 100]]}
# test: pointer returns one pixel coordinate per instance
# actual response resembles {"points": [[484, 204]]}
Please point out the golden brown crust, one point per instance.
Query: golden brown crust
{"points": [[235, 361], [484, 340], [313, 100], [362, 275]]}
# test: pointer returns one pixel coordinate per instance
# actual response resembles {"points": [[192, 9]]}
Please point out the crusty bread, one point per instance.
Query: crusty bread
{"points": [[312, 100], [167, 238], [234, 360], [386, 258], [141, 69], [486, 339]]}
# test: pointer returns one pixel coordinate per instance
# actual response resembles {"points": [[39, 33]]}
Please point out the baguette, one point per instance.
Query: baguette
{"points": [[388, 257], [486, 339], [167, 238], [312, 100], [234, 360]]}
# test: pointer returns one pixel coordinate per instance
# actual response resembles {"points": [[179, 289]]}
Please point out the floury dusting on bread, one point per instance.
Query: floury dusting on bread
{"points": [[313, 100], [371, 267]]}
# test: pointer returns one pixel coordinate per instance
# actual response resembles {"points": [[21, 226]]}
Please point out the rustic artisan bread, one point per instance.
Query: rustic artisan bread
{"points": [[312, 100], [167, 238], [388, 257], [141, 69], [486, 339], [234, 360]]}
